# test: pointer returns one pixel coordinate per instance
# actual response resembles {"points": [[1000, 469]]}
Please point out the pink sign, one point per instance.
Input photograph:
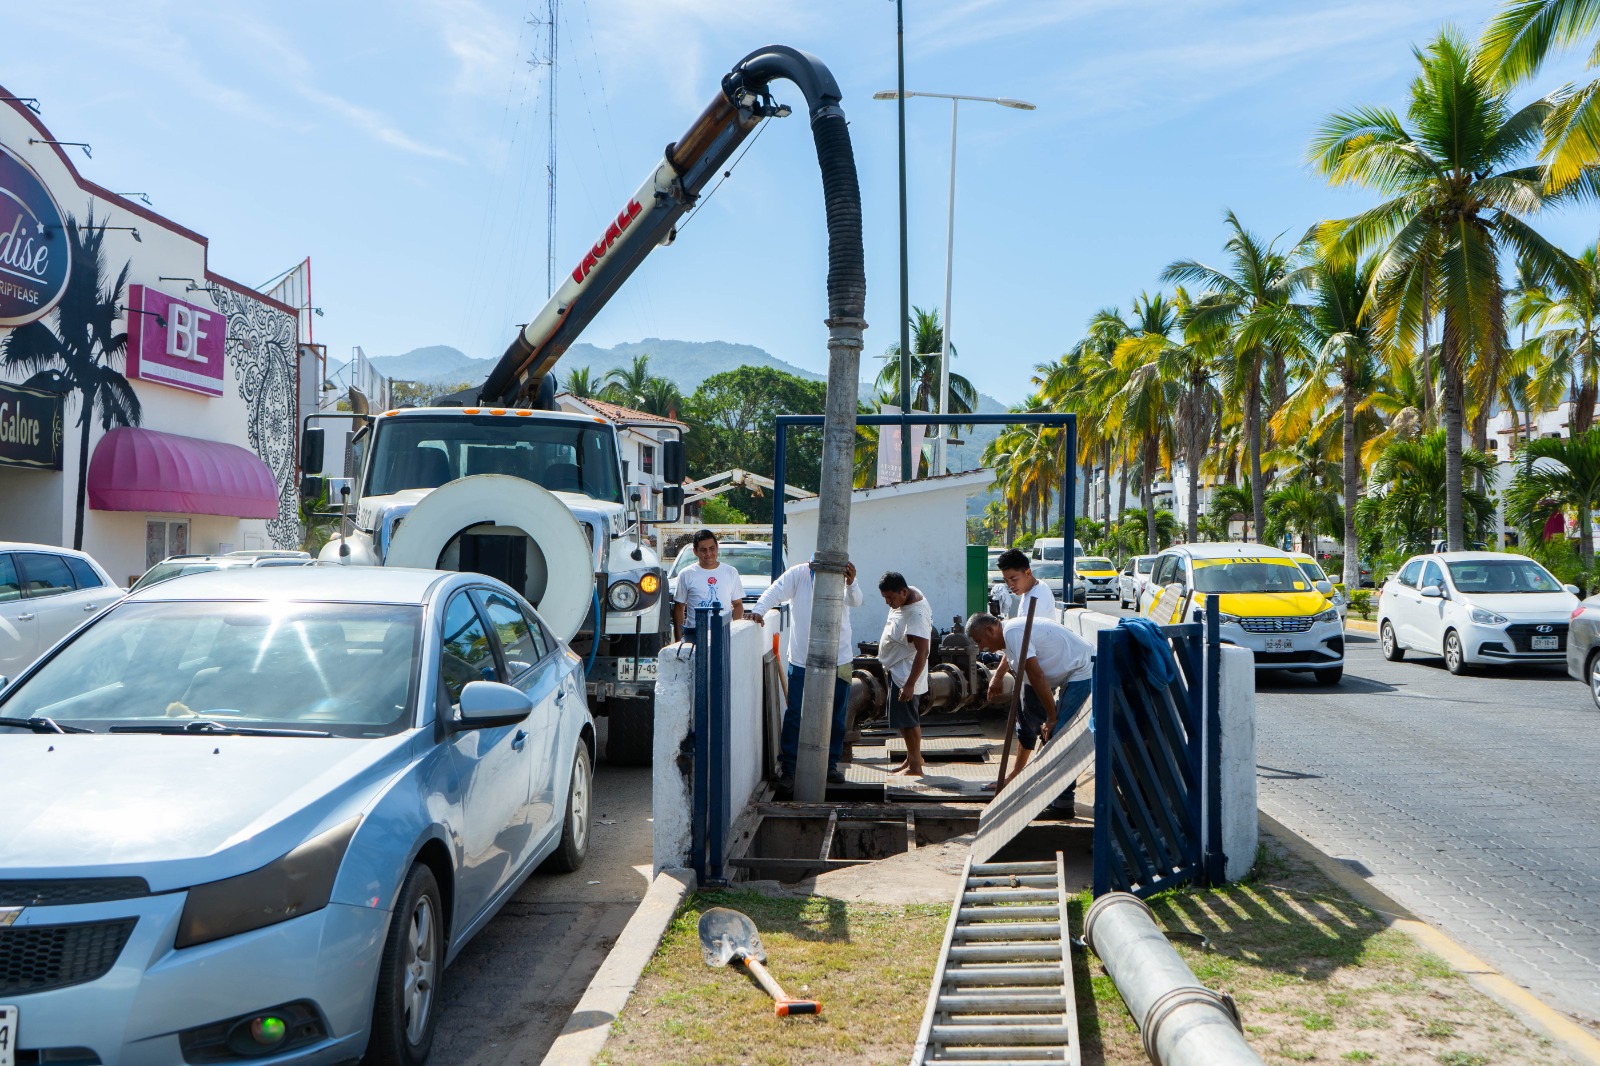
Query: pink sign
{"points": [[175, 343]]}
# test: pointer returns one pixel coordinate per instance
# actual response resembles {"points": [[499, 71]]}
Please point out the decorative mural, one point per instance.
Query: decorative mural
{"points": [[261, 347]]}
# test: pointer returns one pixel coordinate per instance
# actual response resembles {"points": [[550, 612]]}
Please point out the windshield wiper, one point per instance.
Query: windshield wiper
{"points": [[206, 727], [41, 724]]}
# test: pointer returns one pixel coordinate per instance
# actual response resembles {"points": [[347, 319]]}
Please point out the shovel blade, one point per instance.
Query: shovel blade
{"points": [[726, 935]]}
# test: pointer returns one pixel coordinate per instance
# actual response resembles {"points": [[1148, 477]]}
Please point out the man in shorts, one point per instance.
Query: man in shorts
{"points": [[903, 651]]}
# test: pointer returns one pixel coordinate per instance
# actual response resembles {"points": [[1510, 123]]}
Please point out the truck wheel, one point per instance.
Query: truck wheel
{"points": [[630, 734]]}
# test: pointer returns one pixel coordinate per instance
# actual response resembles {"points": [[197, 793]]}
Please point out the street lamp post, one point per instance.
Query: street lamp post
{"points": [[949, 246]]}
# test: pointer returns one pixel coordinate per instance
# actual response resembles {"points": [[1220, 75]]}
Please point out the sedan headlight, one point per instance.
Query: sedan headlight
{"points": [[1330, 615], [299, 883], [624, 596], [1338, 598], [1226, 619], [1487, 618]]}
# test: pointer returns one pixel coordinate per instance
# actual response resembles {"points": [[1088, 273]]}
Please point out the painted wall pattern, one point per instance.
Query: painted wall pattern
{"points": [[261, 348]]}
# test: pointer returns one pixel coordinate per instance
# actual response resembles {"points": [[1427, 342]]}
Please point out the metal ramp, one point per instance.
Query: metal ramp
{"points": [[1002, 993]]}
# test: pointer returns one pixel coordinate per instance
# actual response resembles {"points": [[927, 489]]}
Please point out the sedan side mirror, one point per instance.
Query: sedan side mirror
{"points": [[1570, 588], [1433, 592], [1325, 587], [490, 703]]}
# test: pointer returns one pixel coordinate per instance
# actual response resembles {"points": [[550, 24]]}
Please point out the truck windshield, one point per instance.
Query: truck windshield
{"points": [[423, 452]]}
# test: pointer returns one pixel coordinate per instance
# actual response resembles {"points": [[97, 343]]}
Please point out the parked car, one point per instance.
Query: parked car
{"points": [[46, 593], [1323, 583], [1263, 599], [753, 560], [183, 565], [1054, 549], [1583, 646], [301, 794], [1475, 608], [1134, 578], [1098, 575]]}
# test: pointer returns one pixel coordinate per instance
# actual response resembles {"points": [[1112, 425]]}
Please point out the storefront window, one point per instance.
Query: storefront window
{"points": [[163, 539]]}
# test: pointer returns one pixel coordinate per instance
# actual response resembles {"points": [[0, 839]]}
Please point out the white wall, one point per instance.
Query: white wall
{"points": [[674, 718], [918, 528]]}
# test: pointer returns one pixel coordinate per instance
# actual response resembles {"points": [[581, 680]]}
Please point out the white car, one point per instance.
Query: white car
{"points": [[1134, 579], [46, 593], [1475, 608]]}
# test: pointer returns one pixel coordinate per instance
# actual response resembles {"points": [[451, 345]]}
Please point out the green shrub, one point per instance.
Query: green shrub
{"points": [[1361, 603]]}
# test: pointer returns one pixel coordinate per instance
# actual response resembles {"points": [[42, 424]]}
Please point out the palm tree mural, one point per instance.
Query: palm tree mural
{"points": [[82, 353]]}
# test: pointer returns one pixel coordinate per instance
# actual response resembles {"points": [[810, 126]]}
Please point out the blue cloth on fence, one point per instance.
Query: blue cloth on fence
{"points": [[1153, 651]]}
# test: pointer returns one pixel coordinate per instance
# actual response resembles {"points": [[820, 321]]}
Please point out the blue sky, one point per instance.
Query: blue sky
{"points": [[401, 146]]}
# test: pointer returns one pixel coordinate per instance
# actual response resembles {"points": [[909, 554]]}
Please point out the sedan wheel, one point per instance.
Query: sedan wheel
{"points": [[1391, 643], [404, 1015], [1455, 658], [574, 846], [1594, 678]]}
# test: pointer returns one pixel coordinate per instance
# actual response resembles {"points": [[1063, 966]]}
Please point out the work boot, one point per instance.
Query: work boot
{"points": [[835, 777]]}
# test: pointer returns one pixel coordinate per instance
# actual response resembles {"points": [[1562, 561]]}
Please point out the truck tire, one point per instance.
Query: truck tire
{"points": [[630, 731]]}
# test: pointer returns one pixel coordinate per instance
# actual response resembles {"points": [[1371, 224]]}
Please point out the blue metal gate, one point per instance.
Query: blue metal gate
{"points": [[1157, 763], [710, 814]]}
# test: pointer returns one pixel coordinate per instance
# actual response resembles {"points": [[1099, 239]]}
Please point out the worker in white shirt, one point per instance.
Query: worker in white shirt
{"points": [[1022, 586], [794, 587], [708, 581], [1057, 658], [903, 651]]}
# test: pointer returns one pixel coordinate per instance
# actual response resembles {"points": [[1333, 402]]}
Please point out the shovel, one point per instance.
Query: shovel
{"points": [[729, 937]]}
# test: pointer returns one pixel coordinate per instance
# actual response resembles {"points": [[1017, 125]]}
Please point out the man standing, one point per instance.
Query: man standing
{"points": [[1023, 586], [794, 587], [701, 585], [903, 651], [1057, 658]]}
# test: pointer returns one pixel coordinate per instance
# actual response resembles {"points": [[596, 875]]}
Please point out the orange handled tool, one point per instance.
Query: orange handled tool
{"points": [[730, 937]]}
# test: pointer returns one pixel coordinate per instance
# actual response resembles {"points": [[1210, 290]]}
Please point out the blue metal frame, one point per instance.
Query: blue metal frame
{"points": [[709, 798], [905, 420], [1158, 796]]}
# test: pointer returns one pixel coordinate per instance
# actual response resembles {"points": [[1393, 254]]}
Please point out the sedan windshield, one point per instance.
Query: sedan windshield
{"points": [[1498, 576], [1049, 571], [216, 667], [1096, 564], [1248, 575]]}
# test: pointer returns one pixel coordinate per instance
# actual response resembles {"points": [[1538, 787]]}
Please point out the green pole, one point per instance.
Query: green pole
{"points": [[907, 471]]}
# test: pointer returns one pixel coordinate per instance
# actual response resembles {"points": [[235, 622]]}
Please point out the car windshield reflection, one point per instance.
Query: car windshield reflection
{"points": [[317, 668], [1502, 576]]}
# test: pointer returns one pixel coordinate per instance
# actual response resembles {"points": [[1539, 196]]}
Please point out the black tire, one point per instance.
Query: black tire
{"points": [[1593, 670], [1391, 643], [575, 825], [410, 976], [1330, 676], [631, 732], [1455, 656]]}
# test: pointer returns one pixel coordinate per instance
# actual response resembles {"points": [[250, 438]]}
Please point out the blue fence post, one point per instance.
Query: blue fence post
{"points": [[779, 495], [1105, 728], [699, 806], [718, 748], [1216, 862]]}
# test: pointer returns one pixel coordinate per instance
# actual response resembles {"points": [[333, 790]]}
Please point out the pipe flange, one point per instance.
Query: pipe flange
{"points": [[1182, 996], [1111, 899]]}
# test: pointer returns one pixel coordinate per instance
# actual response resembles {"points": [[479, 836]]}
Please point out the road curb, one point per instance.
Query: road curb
{"points": [[1567, 1034], [585, 1034], [1358, 626]]}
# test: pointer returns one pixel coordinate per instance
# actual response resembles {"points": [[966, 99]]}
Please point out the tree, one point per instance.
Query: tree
{"points": [[79, 355], [1457, 193], [927, 340], [1304, 507], [1555, 473], [1408, 481], [627, 385], [1565, 357], [1514, 46], [731, 419], [1228, 503], [580, 382], [1143, 404]]}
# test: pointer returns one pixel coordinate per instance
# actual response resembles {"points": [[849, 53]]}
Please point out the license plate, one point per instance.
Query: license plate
{"points": [[1539, 644], [8, 1036], [1279, 644], [627, 670]]}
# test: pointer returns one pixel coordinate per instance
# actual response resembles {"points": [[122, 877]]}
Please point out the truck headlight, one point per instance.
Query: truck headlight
{"points": [[299, 883], [649, 583], [624, 596], [1487, 618], [1330, 615]]}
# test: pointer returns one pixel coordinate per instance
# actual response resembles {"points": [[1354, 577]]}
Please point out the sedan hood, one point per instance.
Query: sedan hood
{"points": [[1271, 604], [1540, 606], [176, 810]]}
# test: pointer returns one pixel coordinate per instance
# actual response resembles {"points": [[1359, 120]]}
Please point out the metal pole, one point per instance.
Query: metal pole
{"points": [[907, 471], [1069, 510], [779, 484], [949, 268]]}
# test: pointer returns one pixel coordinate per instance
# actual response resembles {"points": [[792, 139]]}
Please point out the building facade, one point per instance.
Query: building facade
{"points": [[147, 404]]}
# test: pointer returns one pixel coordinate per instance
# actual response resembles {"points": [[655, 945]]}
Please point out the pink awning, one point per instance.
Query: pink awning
{"points": [[143, 470]]}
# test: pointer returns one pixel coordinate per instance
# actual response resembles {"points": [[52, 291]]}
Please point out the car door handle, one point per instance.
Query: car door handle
{"points": [[90, 607], [561, 695], [26, 617], [519, 740]]}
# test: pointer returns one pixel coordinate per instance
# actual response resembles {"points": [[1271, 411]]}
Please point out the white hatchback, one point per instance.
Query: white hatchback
{"points": [[1475, 608], [1135, 578], [45, 593]]}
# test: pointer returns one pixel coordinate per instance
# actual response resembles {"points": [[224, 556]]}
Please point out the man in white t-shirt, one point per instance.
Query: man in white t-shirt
{"points": [[1022, 586], [903, 651], [1057, 658], [708, 581]]}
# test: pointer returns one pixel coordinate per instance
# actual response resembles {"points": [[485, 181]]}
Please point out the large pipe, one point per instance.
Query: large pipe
{"points": [[1183, 1023]]}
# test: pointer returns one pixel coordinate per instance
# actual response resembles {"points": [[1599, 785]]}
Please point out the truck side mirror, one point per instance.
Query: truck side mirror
{"points": [[312, 487], [311, 445], [674, 464], [672, 501]]}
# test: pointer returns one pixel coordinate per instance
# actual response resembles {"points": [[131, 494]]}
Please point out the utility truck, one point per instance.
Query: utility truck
{"points": [[494, 480]]}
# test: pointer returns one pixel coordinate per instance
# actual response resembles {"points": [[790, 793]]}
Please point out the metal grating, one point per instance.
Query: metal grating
{"points": [[64, 892], [39, 958], [1276, 625]]}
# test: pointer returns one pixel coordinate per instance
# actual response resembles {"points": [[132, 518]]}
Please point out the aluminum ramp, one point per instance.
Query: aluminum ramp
{"points": [[1002, 993]]}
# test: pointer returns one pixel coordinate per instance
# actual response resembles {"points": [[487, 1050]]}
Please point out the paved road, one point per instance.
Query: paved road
{"points": [[1471, 800], [510, 991]]}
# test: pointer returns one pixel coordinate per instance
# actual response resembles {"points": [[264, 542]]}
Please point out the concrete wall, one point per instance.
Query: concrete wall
{"points": [[1238, 741], [918, 528], [672, 788]]}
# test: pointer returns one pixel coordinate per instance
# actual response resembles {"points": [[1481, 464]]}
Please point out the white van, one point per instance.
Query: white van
{"points": [[1054, 549]]}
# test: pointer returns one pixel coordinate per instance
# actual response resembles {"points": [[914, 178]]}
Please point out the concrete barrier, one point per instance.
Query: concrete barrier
{"points": [[674, 720]]}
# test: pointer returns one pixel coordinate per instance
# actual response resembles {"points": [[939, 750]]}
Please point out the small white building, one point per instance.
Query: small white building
{"points": [[641, 435]]}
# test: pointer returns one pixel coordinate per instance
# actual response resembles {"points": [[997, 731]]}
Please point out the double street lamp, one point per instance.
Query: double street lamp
{"points": [[940, 435]]}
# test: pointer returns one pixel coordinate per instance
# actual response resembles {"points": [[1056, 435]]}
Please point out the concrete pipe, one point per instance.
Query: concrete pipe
{"points": [[1183, 1023]]}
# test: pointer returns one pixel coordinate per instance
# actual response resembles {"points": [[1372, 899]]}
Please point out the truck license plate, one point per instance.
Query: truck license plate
{"points": [[1546, 643], [1279, 644], [8, 1036], [627, 670]]}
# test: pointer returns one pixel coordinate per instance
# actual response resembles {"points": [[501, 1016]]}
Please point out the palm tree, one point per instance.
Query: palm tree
{"points": [[581, 383], [1228, 501], [1514, 46], [1253, 301], [627, 385], [1557, 473], [927, 340], [1143, 404], [1565, 357], [1303, 506], [1409, 480], [1456, 196], [79, 355], [660, 397]]}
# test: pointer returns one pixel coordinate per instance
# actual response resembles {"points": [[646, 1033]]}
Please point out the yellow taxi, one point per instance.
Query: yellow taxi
{"points": [[1098, 577], [1264, 602]]}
